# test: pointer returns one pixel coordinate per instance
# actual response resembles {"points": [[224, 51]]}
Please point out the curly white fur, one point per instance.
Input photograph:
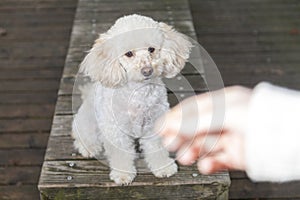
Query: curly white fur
{"points": [[124, 102]]}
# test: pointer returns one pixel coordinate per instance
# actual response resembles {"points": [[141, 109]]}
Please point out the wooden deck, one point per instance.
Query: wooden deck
{"points": [[33, 44], [250, 41]]}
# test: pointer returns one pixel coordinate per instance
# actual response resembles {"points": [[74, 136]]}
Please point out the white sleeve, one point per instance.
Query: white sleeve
{"points": [[272, 140]]}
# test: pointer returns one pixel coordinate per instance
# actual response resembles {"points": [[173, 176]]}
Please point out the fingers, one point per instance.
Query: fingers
{"points": [[200, 146], [190, 151], [228, 153], [212, 164]]}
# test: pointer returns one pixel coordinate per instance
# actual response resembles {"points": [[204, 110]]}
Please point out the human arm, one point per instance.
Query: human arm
{"points": [[259, 132]]}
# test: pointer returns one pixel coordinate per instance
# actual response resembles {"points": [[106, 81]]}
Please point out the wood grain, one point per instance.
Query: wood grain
{"points": [[56, 173]]}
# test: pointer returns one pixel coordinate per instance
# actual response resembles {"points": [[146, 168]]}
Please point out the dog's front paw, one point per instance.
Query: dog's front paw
{"points": [[166, 171], [122, 178]]}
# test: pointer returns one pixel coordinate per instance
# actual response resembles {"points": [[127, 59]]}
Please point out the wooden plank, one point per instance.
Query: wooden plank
{"points": [[23, 140], [247, 189], [93, 170], [259, 68], [159, 14], [182, 26], [26, 111], [61, 125], [244, 39], [263, 57], [36, 18], [12, 5], [18, 157], [18, 74], [19, 175], [290, 80], [258, 6], [35, 63], [29, 85], [25, 125], [143, 185], [39, 34], [24, 192], [32, 49], [61, 148], [28, 98], [123, 6]]}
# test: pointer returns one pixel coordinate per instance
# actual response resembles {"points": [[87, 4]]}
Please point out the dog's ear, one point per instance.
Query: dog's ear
{"points": [[102, 64], [175, 50]]}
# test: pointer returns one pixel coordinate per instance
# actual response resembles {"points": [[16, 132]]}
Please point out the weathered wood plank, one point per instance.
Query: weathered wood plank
{"points": [[20, 74], [36, 63], [90, 169], [159, 15], [34, 17], [238, 175], [28, 98], [97, 174], [10, 5], [61, 125], [29, 85], [58, 34], [262, 57], [26, 111], [25, 125], [16, 157], [247, 189], [87, 27], [125, 6], [32, 49], [61, 148], [19, 175], [23, 140], [24, 192], [140, 192]]}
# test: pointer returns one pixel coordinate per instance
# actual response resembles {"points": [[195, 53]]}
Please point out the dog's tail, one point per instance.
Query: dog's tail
{"points": [[86, 90]]}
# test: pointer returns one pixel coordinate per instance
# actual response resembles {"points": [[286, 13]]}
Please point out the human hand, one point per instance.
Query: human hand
{"points": [[208, 128]]}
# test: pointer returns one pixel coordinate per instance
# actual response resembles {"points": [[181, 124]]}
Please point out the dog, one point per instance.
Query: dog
{"points": [[126, 66]]}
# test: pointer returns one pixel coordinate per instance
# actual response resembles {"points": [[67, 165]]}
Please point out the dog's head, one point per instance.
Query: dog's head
{"points": [[136, 48]]}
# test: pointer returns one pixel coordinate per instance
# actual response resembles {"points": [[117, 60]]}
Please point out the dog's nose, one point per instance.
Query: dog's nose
{"points": [[147, 71]]}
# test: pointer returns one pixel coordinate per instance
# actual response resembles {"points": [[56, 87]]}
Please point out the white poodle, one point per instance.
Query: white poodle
{"points": [[126, 65]]}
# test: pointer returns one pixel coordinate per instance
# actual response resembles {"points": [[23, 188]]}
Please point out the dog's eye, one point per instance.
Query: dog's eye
{"points": [[129, 54], [151, 49]]}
